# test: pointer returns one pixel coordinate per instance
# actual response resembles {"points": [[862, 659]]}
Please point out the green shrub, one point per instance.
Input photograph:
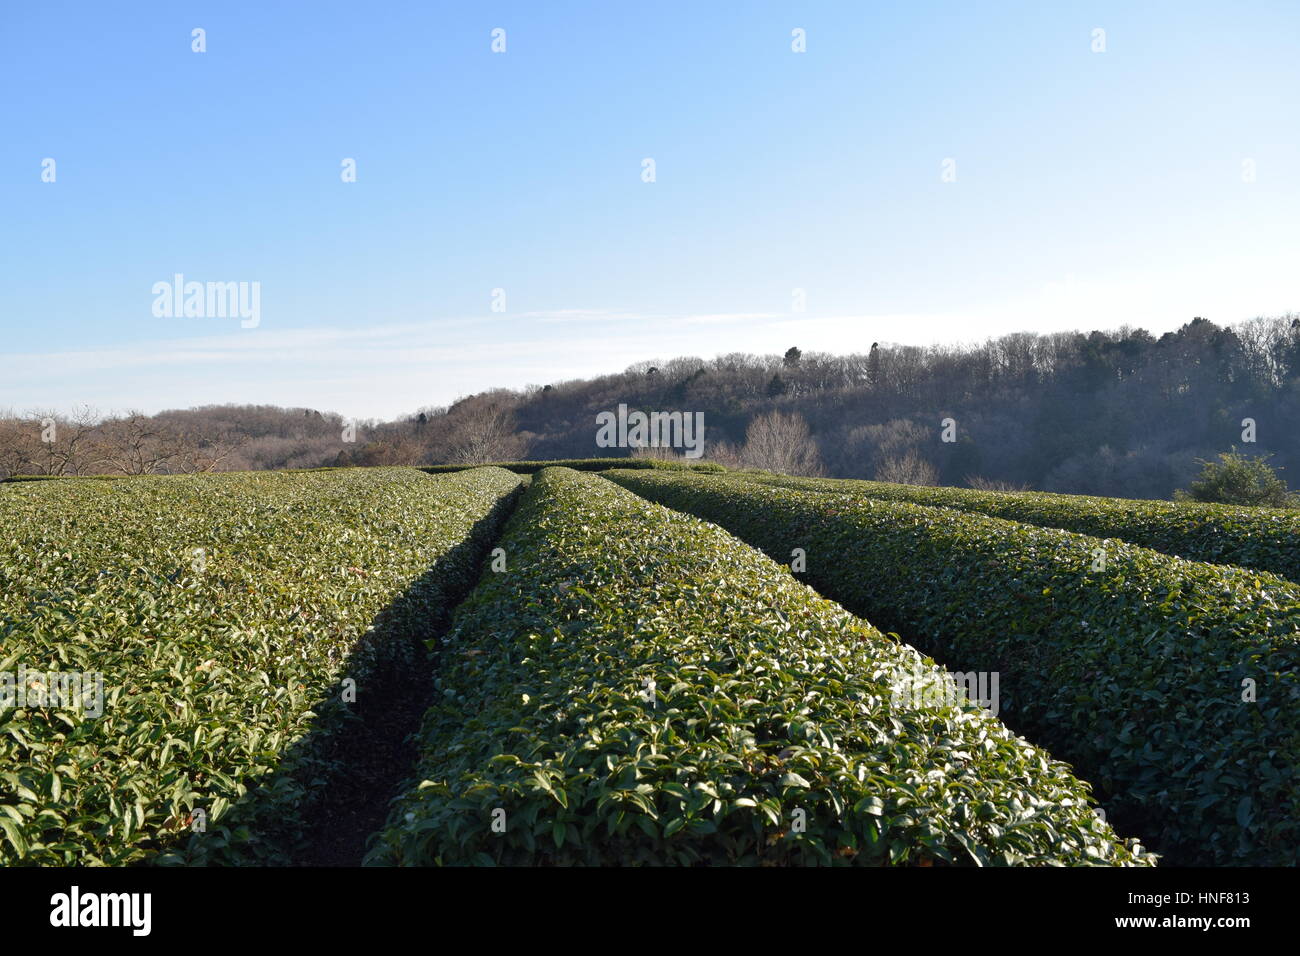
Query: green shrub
{"points": [[640, 687], [1237, 479], [1262, 538], [221, 667], [1134, 670]]}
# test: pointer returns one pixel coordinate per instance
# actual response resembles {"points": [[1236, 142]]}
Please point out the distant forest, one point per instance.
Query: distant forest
{"points": [[1117, 413]]}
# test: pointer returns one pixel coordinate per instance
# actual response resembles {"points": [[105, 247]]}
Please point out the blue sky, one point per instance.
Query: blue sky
{"points": [[1092, 189]]}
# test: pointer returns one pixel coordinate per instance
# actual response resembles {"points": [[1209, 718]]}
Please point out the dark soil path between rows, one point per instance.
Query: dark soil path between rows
{"points": [[378, 754]]}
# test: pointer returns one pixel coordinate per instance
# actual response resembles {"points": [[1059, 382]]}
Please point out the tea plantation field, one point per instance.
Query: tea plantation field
{"points": [[1173, 686], [1267, 539], [223, 613], [655, 666]]}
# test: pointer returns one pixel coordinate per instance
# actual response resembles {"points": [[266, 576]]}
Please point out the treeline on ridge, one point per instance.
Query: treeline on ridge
{"points": [[1120, 413]]}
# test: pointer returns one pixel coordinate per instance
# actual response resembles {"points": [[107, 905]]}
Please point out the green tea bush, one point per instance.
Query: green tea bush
{"points": [[1267, 539], [223, 612], [587, 464], [1171, 685], [638, 687]]}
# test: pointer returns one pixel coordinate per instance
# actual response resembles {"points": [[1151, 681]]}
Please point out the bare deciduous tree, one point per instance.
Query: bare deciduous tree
{"points": [[136, 444], [484, 431], [658, 453], [203, 452], [13, 447], [47, 443], [992, 484], [907, 469], [726, 454], [70, 451], [781, 443]]}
